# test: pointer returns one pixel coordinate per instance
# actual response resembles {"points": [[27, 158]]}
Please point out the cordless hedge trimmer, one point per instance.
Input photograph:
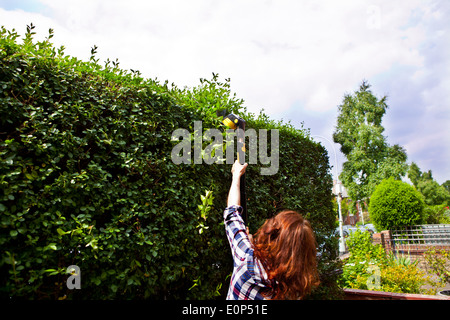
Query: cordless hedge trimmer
{"points": [[233, 121]]}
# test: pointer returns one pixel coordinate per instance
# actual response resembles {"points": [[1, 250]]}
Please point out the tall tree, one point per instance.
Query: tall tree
{"points": [[370, 159], [446, 185], [414, 174]]}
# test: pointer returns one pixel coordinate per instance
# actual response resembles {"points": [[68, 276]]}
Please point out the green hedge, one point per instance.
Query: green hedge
{"points": [[395, 204], [87, 179]]}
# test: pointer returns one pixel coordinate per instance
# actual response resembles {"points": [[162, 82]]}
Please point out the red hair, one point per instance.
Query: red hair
{"points": [[286, 247]]}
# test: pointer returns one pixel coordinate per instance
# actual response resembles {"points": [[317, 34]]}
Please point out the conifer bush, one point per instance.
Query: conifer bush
{"points": [[395, 204]]}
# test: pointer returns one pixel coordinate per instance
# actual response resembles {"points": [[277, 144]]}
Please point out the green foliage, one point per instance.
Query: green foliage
{"points": [[395, 278], [370, 159], [205, 208], [436, 197], [395, 204], [414, 173], [438, 262], [446, 185], [403, 278], [402, 261], [369, 268], [439, 214], [360, 247], [434, 194], [363, 255], [86, 179]]}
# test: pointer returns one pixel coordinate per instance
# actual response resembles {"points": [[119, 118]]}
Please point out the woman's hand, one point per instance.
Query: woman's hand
{"points": [[234, 195], [238, 169]]}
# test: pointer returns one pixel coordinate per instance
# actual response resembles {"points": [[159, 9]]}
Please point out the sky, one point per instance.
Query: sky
{"points": [[296, 59]]}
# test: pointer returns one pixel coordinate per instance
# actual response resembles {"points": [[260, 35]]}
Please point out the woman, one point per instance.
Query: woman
{"points": [[279, 263]]}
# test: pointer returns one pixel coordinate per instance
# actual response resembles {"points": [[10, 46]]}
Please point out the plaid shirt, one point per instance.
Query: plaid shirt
{"points": [[249, 277]]}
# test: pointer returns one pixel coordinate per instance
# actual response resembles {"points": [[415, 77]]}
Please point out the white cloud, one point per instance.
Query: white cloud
{"points": [[278, 54]]}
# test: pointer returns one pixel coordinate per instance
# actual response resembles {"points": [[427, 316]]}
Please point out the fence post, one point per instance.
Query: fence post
{"points": [[391, 241], [386, 240]]}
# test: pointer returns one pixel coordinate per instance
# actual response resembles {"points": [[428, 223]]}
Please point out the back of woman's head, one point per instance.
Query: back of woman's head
{"points": [[286, 246]]}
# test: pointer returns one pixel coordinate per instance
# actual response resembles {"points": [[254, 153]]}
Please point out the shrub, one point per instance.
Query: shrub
{"points": [[395, 278], [395, 204], [438, 214], [360, 247], [403, 279], [369, 268], [438, 262], [87, 179], [363, 255]]}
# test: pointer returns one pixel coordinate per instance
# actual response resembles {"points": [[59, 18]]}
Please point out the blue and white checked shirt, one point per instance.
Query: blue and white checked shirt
{"points": [[249, 278]]}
